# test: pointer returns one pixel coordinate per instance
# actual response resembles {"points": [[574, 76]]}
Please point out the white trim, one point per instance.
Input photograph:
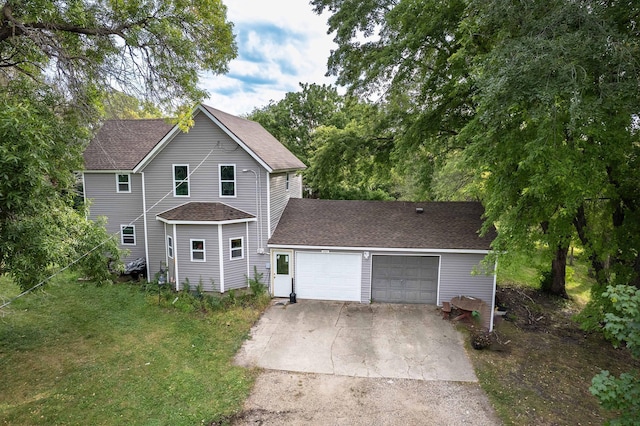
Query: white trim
{"points": [[175, 261], [170, 248], [268, 207], [248, 252], [133, 235], [493, 297], [202, 222], [235, 181], [118, 183], [156, 149], [231, 249], [203, 250], [378, 249], [221, 258], [233, 137], [109, 171], [146, 232], [185, 180]]}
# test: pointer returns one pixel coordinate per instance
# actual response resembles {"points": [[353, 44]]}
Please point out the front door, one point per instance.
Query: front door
{"points": [[282, 274]]}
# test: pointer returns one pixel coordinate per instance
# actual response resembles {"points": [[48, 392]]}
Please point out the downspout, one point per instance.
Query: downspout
{"points": [[248, 252], [146, 235], [221, 258], [268, 206], [175, 255], [493, 298], [84, 198]]}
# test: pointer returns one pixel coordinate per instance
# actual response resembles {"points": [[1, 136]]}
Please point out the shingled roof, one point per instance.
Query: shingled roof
{"points": [[261, 142], [121, 144], [204, 212], [124, 144], [382, 224]]}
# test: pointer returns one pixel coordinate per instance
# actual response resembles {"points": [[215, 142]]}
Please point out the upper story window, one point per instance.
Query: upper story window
{"points": [[128, 235], [227, 180], [170, 246], [197, 251], [286, 182], [123, 182], [180, 180], [235, 247]]}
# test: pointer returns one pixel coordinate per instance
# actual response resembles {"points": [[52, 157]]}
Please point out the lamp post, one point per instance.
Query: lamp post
{"points": [[162, 278]]}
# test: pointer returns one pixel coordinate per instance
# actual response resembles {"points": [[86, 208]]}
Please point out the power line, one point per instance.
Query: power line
{"points": [[41, 283]]}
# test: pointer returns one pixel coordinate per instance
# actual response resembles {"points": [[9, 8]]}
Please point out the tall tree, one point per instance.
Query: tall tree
{"points": [[294, 119], [58, 61], [340, 138], [539, 98]]}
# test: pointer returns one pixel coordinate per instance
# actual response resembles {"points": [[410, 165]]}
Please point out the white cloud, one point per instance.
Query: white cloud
{"points": [[280, 44]]}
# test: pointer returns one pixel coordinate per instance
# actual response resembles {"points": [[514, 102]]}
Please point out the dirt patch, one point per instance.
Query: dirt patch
{"points": [[281, 397], [541, 363]]}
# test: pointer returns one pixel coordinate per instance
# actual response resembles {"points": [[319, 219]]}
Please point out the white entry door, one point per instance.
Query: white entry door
{"points": [[282, 274]]}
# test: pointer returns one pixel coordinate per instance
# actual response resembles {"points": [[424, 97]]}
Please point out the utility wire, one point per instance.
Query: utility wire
{"points": [[41, 283]]}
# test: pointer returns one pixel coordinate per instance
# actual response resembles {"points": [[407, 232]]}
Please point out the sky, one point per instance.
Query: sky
{"points": [[280, 44]]}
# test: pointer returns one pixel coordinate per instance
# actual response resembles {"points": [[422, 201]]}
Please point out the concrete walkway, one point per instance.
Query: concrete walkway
{"points": [[353, 339]]}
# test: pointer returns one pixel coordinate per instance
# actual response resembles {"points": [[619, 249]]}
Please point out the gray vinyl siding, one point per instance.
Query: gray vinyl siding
{"points": [[204, 139], [280, 195], [198, 272], [235, 270], [365, 287], [119, 208], [457, 278]]}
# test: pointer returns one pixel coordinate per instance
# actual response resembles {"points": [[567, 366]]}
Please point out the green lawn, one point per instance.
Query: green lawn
{"points": [[80, 354]]}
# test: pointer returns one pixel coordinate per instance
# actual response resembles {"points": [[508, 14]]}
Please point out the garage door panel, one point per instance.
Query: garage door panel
{"points": [[328, 276], [405, 279]]}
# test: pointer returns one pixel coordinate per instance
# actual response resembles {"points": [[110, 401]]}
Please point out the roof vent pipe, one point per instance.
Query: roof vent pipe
{"points": [[419, 210]]}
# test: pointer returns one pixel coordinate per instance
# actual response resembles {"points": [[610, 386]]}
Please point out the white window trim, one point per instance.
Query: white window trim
{"points": [[122, 227], [204, 250], [287, 181], [128, 175], [235, 180], [170, 246], [241, 248], [176, 181]]}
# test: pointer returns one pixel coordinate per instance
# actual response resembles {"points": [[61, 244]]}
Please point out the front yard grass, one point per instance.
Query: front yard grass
{"points": [[81, 354]]}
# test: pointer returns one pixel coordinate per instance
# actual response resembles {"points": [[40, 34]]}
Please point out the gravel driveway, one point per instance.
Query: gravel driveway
{"points": [[305, 397]]}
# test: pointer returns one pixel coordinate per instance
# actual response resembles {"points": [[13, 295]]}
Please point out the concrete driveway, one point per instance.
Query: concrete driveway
{"points": [[353, 339]]}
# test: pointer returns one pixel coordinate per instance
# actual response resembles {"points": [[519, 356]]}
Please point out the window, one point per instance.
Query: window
{"points": [[128, 235], [197, 251], [123, 183], [170, 246], [227, 180], [235, 245], [286, 185], [181, 180]]}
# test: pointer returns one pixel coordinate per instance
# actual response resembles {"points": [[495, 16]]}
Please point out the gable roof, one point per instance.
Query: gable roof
{"points": [[451, 226], [205, 213], [132, 144], [121, 144], [258, 140]]}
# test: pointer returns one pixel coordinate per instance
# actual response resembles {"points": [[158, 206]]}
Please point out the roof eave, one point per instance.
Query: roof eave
{"points": [[396, 249], [205, 222]]}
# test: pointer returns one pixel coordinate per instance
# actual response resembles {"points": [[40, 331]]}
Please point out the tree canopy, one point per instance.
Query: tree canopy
{"points": [[62, 63]]}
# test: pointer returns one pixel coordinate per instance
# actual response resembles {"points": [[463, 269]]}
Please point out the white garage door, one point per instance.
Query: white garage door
{"points": [[328, 276]]}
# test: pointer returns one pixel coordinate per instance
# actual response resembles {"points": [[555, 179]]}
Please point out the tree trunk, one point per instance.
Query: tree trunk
{"points": [[559, 272]]}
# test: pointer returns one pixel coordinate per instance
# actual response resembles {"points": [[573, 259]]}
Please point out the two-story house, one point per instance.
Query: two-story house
{"points": [[201, 204], [214, 203]]}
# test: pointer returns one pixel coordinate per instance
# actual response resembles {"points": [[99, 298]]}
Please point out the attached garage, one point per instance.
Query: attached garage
{"points": [[405, 279], [328, 276]]}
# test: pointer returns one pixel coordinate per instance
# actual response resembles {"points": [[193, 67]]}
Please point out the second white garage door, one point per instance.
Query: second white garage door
{"points": [[328, 276]]}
